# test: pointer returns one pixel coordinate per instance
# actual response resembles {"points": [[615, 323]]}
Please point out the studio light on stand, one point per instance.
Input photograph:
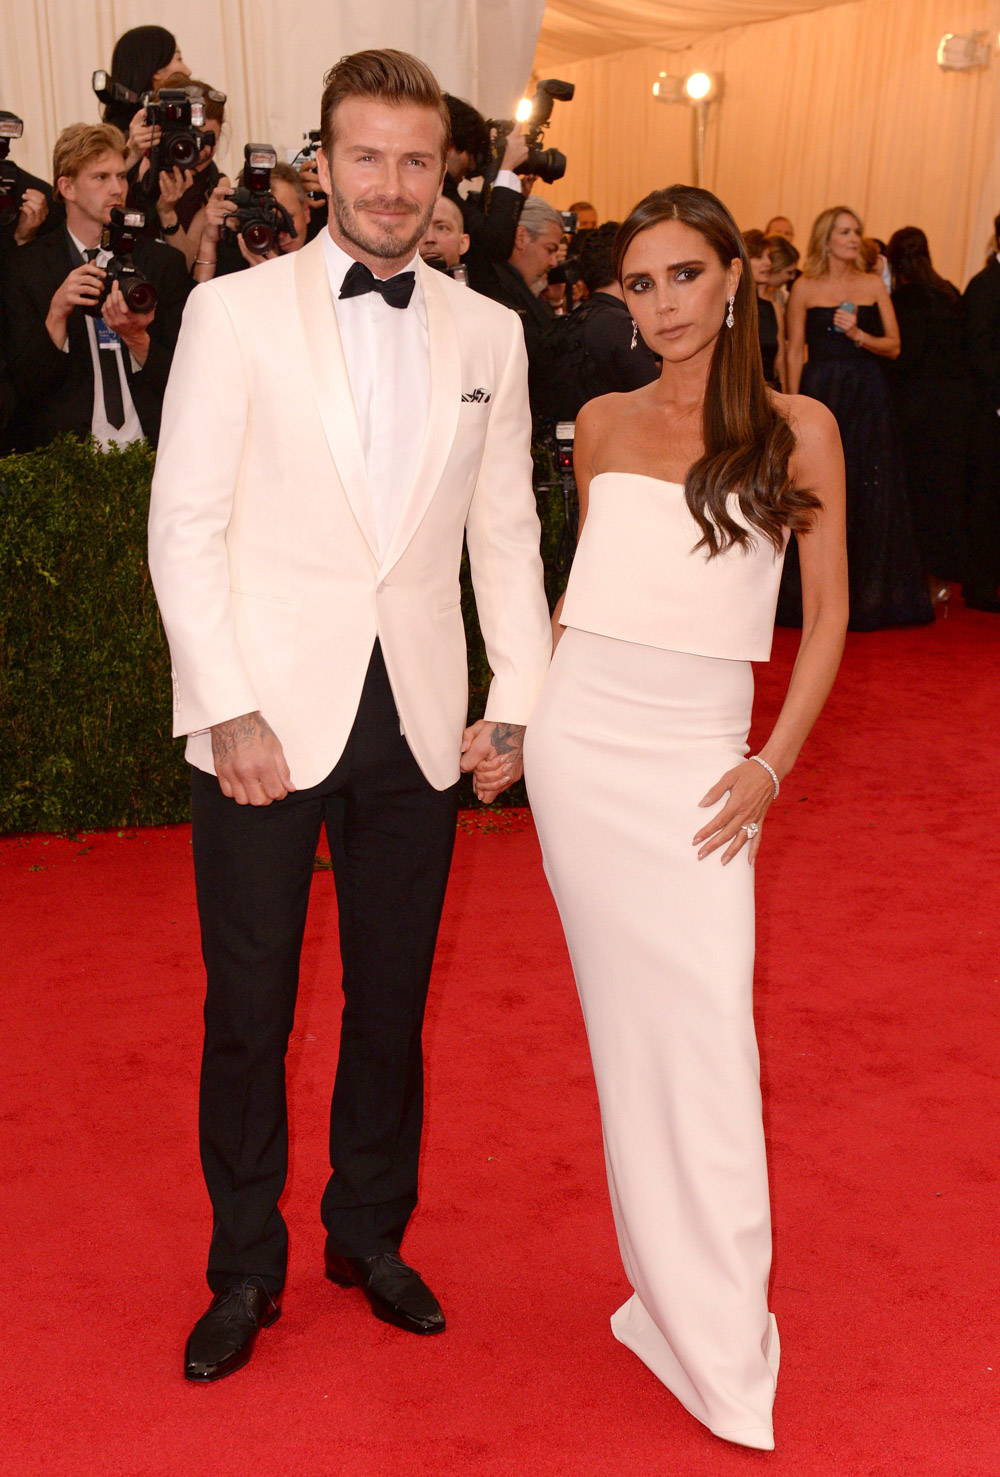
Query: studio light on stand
{"points": [[700, 90]]}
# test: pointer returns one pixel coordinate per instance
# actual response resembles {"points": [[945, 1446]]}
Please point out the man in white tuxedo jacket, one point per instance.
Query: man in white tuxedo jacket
{"points": [[335, 421]]}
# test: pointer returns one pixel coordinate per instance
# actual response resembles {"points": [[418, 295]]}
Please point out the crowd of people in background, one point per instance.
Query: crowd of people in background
{"points": [[909, 366]]}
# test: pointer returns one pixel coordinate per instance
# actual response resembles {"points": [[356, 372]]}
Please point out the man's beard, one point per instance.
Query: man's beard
{"points": [[380, 241]]}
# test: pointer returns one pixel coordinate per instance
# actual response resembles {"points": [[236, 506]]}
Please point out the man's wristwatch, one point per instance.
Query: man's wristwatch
{"points": [[170, 230]]}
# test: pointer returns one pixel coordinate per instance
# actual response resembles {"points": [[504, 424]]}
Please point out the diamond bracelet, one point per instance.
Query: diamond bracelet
{"points": [[774, 778]]}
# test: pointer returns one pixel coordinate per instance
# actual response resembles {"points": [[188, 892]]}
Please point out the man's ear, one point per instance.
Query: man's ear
{"points": [[323, 170], [463, 244], [520, 237]]}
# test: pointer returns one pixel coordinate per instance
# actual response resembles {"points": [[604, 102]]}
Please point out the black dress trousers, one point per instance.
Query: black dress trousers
{"points": [[391, 837]]}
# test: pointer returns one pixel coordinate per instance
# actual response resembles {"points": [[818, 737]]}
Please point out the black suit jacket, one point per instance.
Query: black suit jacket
{"points": [[48, 391], [491, 235], [538, 321], [981, 301]]}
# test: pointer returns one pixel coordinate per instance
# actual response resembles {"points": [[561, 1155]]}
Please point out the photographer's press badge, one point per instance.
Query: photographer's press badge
{"points": [[106, 337]]}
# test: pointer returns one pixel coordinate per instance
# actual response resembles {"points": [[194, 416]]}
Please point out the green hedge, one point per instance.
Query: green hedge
{"points": [[84, 671]]}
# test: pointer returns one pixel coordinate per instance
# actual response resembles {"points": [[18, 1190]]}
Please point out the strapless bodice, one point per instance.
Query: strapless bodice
{"points": [[827, 342], [637, 576]]}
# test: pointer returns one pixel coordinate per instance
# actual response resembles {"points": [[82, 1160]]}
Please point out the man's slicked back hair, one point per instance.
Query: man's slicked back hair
{"points": [[386, 77]]}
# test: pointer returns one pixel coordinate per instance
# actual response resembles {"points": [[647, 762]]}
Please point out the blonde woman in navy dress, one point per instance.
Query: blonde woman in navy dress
{"points": [[649, 809]]}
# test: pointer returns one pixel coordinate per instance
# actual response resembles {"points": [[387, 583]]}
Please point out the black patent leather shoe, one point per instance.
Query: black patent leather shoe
{"points": [[222, 1340], [397, 1294]]}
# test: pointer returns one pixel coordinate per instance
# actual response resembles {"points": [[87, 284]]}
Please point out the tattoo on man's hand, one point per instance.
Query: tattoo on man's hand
{"points": [[507, 738], [247, 728]]}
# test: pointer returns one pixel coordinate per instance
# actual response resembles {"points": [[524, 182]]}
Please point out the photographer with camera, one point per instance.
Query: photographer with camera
{"points": [[490, 218], [141, 62], [25, 202], [92, 310], [277, 208], [180, 173]]}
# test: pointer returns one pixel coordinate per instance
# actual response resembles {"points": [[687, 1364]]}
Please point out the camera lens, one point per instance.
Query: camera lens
{"points": [[140, 297], [259, 238], [182, 151], [548, 164]]}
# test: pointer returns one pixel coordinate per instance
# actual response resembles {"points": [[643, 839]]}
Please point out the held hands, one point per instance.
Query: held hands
{"points": [[750, 793], [250, 761], [494, 754]]}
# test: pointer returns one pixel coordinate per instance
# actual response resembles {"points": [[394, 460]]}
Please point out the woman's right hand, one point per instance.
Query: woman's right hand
{"points": [[845, 321], [217, 208], [141, 138]]}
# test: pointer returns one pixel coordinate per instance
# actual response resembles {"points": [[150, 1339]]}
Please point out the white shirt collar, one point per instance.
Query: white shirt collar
{"points": [[84, 249], [338, 264]]}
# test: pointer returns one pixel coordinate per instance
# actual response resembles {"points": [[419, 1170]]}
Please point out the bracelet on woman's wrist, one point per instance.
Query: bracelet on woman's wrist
{"points": [[774, 778]]}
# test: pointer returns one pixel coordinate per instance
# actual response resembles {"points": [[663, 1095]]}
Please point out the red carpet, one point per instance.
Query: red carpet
{"points": [[878, 1024]]}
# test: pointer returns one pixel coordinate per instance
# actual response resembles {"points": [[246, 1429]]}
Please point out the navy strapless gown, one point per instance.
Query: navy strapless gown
{"points": [[885, 571]]}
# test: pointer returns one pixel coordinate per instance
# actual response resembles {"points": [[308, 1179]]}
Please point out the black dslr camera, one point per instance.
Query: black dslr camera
{"points": [[548, 164], [180, 120], [307, 153], [11, 183], [258, 217], [119, 238]]}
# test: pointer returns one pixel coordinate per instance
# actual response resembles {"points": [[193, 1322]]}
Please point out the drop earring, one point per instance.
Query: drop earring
{"points": [[730, 320], [635, 333]]}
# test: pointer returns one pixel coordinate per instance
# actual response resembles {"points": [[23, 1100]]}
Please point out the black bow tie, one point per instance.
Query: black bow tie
{"points": [[397, 290]]}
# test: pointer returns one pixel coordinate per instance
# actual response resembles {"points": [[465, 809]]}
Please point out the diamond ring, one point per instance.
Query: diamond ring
{"points": [[752, 830]]}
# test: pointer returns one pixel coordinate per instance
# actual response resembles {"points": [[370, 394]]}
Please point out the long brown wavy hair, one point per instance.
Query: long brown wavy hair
{"points": [[748, 443], [910, 259]]}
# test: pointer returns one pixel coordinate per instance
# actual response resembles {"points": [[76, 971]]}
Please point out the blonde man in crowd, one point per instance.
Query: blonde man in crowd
{"points": [[80, 358]]}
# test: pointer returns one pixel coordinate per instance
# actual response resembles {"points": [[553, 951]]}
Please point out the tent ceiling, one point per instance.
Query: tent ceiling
{"points": [[574, 29]]}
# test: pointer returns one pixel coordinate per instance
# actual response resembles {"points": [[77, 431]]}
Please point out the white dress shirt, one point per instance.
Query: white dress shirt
{"points": [[388, 364], [104, 432]]}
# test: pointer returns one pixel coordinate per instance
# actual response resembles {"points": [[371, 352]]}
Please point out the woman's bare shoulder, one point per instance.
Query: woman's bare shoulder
{"points": [[810, 420], [603, 409]]}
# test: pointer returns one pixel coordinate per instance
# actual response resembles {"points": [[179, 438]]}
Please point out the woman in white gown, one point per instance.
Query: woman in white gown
{"points": [[688, 489]]}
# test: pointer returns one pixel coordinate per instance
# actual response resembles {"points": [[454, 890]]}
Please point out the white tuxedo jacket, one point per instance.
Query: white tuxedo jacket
{"points": [[262, 546]]}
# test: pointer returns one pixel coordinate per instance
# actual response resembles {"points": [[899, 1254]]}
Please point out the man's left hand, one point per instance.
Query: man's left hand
{"points": [[494, 751], [130, 327]]}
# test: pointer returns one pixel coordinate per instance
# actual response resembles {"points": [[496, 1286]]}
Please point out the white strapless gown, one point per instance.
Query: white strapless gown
{"points": [[627, 737]]}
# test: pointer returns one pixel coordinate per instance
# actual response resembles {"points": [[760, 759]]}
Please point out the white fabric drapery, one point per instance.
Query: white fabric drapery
{"points": [[573, 29], [845, 104], [268, 57]]}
